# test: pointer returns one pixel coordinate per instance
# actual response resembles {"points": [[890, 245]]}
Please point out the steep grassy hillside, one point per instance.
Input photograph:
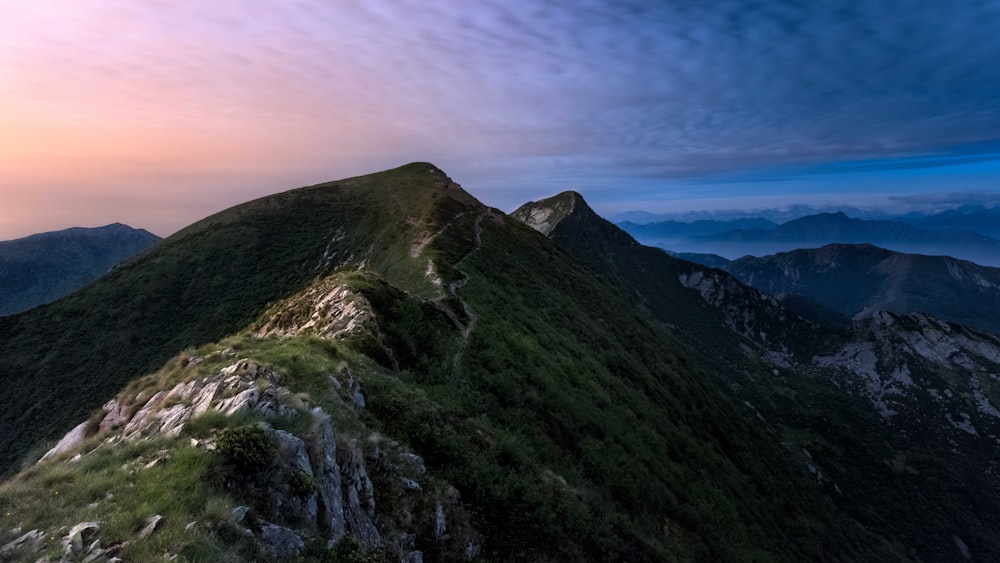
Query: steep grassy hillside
{"points": [[205, 282], [893, 416], [44, 267]]}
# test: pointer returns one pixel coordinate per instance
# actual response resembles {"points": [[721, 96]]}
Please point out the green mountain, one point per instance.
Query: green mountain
{"points": [[42, 268], [894, 416], [859, 279], [383, 368]]}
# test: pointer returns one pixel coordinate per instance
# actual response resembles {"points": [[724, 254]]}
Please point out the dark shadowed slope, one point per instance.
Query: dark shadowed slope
{"points": [[855, 279], [893, 416]]}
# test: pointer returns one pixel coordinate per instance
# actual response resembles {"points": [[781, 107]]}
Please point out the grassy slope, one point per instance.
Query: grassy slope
{"points": [[213, 278], [601, 398]]}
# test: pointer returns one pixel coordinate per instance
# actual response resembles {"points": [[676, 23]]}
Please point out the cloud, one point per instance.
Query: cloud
{"points": [[946, 200], [515, 97]]}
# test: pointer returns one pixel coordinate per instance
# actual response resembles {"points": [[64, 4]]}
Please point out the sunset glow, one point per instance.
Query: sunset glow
{"points": [[159, 113]]}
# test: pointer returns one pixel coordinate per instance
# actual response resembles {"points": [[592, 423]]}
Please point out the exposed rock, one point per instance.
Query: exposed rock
{"points": [[30, 542], [354, 390], [79, 535], [152, 523], [116, 416], [280, 542], [543, 216], [233, 390], [72, 438], [143, 420], [312, 488], [359, 511], [329, 310], [326, 475], [440, 525], [238, 514], [962, 548], [284, 497], [472, 550]]}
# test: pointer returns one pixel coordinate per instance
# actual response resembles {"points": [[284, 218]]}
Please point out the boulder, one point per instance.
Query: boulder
{"points": [[280, 542], [72, 438]]}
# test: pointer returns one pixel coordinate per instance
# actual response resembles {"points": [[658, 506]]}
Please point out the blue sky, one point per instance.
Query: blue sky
{"points": [[158, 113]]}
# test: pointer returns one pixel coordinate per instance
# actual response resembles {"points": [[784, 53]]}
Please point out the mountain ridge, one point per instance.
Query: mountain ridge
{"points": [[542, 406], [853, 279], [43, 267], [830, 228]]}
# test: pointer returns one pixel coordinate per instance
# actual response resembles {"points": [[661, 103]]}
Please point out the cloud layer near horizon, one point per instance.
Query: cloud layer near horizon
{"points": [[166, 110]]}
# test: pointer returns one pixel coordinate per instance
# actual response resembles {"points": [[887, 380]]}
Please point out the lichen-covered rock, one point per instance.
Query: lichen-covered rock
{"points": [[326, 475], [72, 438], [26, 544], [329, 310], [280, 543], [289, 492], [359, 511]]}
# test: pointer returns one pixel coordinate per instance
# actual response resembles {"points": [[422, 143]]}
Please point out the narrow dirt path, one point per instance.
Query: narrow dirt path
{"points": [[455, 286]]}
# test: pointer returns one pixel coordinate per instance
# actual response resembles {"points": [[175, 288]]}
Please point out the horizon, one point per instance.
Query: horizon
{"points": [[157, 115]]}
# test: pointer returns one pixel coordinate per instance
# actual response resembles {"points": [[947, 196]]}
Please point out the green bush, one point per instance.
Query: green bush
{"points": [[247, 446]]}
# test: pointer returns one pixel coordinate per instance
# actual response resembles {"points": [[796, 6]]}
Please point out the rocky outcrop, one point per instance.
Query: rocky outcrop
{"points": [[67, 442], [328, 310], [326, 475], [26, 545], [359, 508], [315, 486], [545, 215], [244, 386], [898, 362]]}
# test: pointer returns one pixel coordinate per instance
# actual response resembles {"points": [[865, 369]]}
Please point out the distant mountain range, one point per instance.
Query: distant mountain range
{"points": [[41, 268], [975, 218], [859, 279], [726, 239], [962, 217]]}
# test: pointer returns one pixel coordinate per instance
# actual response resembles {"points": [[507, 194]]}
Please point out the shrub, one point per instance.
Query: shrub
{"points": [[247, 446]]}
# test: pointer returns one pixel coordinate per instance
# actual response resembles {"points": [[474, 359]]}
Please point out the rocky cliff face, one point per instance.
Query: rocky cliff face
{"points": [[917, 363]]}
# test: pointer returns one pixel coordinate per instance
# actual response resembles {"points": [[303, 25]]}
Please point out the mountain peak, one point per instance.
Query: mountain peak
{"points": [[545, 214]]}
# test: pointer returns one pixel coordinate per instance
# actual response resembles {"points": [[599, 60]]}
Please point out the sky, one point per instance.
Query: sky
{"points": [[160, 112]]}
